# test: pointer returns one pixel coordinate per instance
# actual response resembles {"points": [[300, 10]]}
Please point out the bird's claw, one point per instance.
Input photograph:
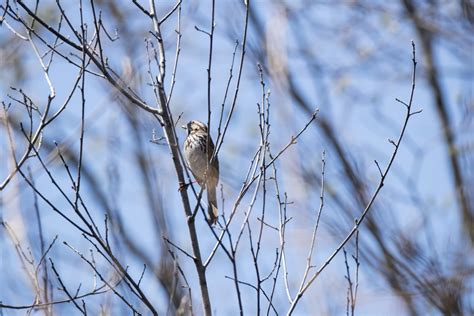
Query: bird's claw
{"points": [[183, 186]]}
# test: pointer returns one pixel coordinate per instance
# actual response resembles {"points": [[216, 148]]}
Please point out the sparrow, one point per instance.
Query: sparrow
{"points": [[205, 168]]}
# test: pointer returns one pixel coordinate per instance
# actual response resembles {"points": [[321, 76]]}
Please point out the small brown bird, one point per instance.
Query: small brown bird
{"points": [[199, 159]]}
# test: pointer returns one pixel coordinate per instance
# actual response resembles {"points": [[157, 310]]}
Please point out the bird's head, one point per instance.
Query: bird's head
{"points": [[195, 126]]}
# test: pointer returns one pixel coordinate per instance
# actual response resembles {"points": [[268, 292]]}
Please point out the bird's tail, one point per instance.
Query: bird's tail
{"points": [[212, 210]]}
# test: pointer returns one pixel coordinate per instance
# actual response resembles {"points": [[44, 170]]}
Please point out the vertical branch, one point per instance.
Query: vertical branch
{"points": [[316, 224], [83, 105], [283, 220], [172, 140], [357, 263], [220, 140], [209, 78], [352, 285], [42, 264], [176, 58]]}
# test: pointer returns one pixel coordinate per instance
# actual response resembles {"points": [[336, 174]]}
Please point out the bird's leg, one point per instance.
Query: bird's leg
{"points": [[184, 186]]}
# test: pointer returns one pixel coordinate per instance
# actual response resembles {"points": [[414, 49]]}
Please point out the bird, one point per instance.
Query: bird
{"points": [[198, 154]]}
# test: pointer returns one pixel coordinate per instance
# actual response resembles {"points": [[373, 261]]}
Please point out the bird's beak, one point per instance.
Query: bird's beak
{"points": [[184, 127]]}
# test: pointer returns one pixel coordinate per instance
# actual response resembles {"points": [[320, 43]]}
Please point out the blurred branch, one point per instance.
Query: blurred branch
{"points": [[460, 185], [409, 113]]}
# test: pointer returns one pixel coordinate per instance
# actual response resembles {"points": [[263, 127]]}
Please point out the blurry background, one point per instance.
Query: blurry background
{"points": [[350, 59]]}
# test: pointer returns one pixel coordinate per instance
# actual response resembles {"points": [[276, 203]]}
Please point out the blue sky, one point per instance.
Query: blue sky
{"points": [[358, 94]]}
